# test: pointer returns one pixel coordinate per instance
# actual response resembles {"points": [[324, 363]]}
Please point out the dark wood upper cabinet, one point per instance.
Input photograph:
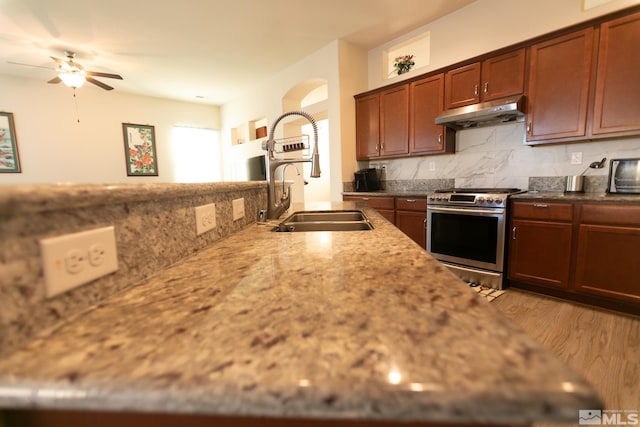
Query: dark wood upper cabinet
{"points": [[581, 83], [462, 86], [494, 78], [503, 75], [558, 90], [617, 95], [367, 127], [394, 121], [426, 102]]}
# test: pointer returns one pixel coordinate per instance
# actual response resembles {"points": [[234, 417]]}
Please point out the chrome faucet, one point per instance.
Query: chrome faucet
{"points": [[285, 191], [277, 207]]}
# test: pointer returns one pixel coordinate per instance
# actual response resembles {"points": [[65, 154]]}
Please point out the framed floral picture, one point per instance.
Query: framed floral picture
{"points": [[140, 150], [9, 159]]}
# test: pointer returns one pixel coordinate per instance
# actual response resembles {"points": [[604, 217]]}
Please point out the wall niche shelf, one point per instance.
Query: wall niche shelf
{"points": [[251, 131], [418, 46]]}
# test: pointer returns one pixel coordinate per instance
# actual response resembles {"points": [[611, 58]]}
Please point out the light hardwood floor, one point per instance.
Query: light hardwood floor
{"points": [[602, 345]]}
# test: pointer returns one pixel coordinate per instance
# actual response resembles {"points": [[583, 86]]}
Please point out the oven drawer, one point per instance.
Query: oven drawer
{"points": [[542, 210], [411, 204]]}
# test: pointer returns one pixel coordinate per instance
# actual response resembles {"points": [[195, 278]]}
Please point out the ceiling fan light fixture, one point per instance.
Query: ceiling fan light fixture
{"points": [[73, 79]]}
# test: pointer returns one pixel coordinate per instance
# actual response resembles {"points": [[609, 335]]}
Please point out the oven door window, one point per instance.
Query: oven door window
{"points": [[465, 236]]}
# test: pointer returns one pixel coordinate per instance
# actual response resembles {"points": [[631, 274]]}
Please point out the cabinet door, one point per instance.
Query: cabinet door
{"points": [[412, 224], [503, 75], [617, 97], [558, 90], [394, 121], [607, 262], [367, 127], [385, 206], [426, 100], [540, 252], [461, 86]]}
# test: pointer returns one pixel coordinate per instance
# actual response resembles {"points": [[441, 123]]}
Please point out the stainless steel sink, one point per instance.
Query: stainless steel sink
{"points": [[325, 221], [322, 216]]}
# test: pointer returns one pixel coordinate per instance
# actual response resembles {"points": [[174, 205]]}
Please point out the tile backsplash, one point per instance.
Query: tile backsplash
{"points": [[154, 226], [498, 157]]}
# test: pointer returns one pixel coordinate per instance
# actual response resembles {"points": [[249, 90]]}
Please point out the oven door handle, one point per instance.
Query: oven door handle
{"points": [[467, 211]]}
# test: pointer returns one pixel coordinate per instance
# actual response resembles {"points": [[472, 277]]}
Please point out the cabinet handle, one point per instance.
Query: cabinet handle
{"points": [[365, 198], [411, 200], [440, 139], [540, 205], [529, 128], [377, 148], [513, 233], [475, 90], [425, 223], [486, 87], [381, 147]]}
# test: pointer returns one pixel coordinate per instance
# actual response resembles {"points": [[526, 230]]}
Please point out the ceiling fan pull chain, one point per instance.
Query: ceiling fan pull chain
{"points": [[75, 100]]}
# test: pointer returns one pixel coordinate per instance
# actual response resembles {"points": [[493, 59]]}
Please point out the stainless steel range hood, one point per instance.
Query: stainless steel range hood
{"points": [[490, 113]]}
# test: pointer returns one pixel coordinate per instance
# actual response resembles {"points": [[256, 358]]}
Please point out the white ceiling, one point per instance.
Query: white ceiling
{"points": [[182, 49]]}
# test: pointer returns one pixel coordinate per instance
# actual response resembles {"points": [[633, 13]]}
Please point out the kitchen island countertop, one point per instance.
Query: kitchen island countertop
{"points": [[326, 325]]}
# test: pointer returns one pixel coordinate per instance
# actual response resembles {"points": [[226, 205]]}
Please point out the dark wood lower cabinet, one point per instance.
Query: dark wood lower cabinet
{"points": [[411, 217], [407, 213], [589, 253], [412, 224], [608, 262], [540, 252], [385, 205]]}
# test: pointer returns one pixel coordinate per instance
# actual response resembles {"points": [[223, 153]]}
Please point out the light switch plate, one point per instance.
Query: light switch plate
{"points": [[72, 260], [238, 208]]}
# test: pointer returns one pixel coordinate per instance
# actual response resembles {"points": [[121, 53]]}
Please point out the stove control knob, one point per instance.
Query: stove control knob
{"points": [[489, 199], [498, 201], [480, 199]]}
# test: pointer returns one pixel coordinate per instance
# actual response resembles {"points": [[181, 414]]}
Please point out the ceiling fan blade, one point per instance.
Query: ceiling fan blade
{"points": [[107, 75], [58, 60], [99, 84], [30, 65], [55, 80]]}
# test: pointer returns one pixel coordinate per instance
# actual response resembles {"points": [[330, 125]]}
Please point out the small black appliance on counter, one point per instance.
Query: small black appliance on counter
{"points": [[367, 180]]}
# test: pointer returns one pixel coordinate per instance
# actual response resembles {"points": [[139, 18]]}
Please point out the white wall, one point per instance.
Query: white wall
{"points": [[265, 100], [498, 156], [54, 147]]}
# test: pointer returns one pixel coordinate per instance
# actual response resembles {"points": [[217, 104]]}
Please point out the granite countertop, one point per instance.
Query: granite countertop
{"points": [[531, 195], [341, 325], [579, 197], [389, 193]]}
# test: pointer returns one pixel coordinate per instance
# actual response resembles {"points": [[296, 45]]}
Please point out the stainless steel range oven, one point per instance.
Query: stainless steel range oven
{"points": [[466, 231]]}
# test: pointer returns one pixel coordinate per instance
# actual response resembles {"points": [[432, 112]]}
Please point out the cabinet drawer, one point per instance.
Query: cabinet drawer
{"points": [[611, 214], [411, 204], [542, 210], [375, 202]]}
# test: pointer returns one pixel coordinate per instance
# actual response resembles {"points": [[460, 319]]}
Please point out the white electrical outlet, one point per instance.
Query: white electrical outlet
{"points": [[238, 209], [576, 158], [74, 259], [205, 218]]}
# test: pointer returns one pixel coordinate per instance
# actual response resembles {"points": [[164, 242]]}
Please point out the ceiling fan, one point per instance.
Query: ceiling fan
{"points": [[74, 75]]}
